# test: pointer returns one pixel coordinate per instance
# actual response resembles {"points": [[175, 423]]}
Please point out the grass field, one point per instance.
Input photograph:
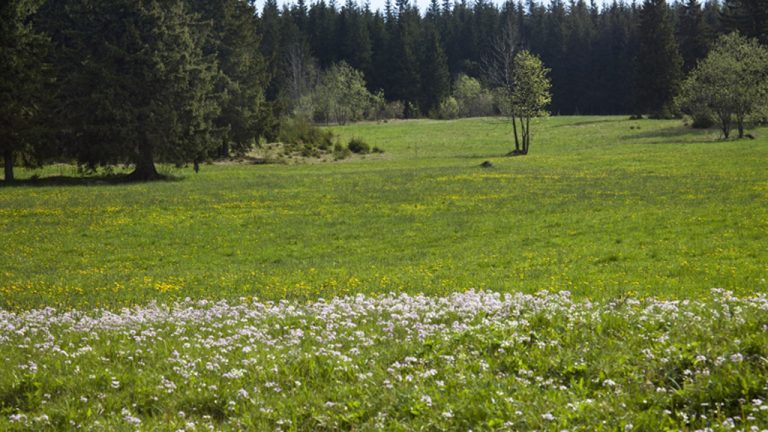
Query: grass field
{"points": [[603, 206], [288, 297]]}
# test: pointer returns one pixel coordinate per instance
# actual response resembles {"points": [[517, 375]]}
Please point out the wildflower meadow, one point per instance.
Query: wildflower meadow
{"points": [[613, 279]]}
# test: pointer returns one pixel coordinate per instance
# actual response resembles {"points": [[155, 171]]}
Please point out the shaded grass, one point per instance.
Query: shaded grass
{"points": [[602, 206]]}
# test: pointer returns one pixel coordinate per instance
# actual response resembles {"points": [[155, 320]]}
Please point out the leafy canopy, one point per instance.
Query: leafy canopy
{"points": [[731, 82]]}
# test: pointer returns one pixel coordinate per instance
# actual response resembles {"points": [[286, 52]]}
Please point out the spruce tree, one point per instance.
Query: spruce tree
{"points": [[748, 17], [403, 78], [321, 33], [435, 77], [135, 85], [354, 42], [692, 34], [21, 84], [234, 41], [578, 61], [658, 71]]}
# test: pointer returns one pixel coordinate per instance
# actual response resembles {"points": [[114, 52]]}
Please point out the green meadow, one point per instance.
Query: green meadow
{"points": [[614, 279], [604, 207]]}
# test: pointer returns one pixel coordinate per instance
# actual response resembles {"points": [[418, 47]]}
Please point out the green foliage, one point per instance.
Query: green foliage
{"points": [[22, 78], [693, 34], [659, 65], [527, 97], [341, 96], [234, 40], [530, 94], [473, 100], [435, 76], [357, 145], [394, 110], [302, 137], [702, 118], [731, 82], [448, 109], [136, 85], [748, 17]]}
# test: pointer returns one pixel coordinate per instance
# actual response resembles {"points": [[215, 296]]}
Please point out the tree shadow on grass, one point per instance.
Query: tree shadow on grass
{"points": [[674, 135], [98, 180]]}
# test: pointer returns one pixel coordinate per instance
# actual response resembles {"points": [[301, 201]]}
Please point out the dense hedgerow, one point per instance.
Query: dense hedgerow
{"points": [[478, 360]]}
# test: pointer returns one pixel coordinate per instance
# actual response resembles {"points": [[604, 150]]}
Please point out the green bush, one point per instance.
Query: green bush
{"points": [[394, 110], [340, 152], [358, 146], [448, 109], [702, 120], [299, 134]]}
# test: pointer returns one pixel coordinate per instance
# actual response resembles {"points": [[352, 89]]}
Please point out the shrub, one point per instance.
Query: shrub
{"points": [[448, 109], [473, 100], [357, 145], [340, 152], [702, 119], [298, 133], [394, 110]]}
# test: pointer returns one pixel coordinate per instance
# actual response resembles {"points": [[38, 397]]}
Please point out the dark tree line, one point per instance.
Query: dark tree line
{"points": [[617, 59], [106, 82]]}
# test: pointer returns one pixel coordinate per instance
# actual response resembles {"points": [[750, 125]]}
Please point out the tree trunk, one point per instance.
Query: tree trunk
{"points": [[725, 124], [145, 165], [527, 134], [524, 134], [740, 125], [514, 130], [9, 159]]}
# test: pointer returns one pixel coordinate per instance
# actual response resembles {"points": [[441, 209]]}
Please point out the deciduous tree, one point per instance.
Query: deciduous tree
{"points": [[732, 82], [528, 97]]}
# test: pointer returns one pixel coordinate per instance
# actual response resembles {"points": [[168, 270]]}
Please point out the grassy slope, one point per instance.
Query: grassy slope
{"points": [[602, 206]]}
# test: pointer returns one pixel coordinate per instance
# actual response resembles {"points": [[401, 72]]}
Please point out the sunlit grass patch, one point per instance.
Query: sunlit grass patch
{"points": [[601, 206]]}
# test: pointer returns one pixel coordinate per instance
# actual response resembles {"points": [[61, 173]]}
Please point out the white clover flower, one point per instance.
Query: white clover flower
{"points": [[548, 417], [737, 358]]}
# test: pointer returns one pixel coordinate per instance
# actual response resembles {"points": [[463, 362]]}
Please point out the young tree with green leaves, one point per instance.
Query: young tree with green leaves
{"points": [[135, 85], [732, 82], [528, 97], [341, 95], [21, 84]]}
